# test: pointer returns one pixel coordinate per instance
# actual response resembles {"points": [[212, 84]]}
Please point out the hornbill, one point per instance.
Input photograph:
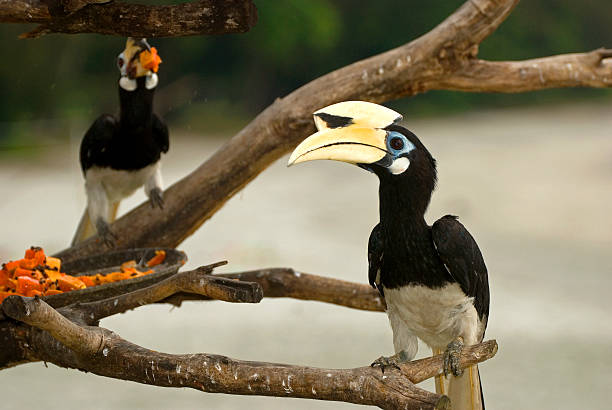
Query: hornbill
{"points": [[433, 278], [120, 154]]}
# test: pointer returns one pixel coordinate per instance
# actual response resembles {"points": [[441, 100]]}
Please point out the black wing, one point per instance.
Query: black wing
{"points": [[375, 255], [160, 133], [459, 252], [96, 142]]}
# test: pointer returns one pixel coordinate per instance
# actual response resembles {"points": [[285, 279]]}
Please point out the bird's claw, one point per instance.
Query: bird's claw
{"points": [[157, 198], [451, 357], [106, 235], [384, 362]]}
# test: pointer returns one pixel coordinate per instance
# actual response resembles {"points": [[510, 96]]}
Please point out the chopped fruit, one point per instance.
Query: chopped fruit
{"points": [[26, 284], [40, 275], [159, 257]]}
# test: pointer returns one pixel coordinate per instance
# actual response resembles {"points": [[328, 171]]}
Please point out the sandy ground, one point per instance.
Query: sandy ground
{"points": [[533, 187]]}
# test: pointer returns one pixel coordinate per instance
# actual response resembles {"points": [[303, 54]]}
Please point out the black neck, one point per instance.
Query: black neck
{"points": [[410, 257], [136, 107], [402, 208]]}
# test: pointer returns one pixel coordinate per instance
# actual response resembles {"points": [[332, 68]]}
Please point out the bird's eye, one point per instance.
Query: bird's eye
{"points": [[120, 62], [397, 143]]}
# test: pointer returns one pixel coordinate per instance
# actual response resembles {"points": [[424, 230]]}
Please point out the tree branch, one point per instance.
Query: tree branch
{"points": [[195, 282], [288, 283], [137, 20], [102, 352], [442, 58], [592, 69]]}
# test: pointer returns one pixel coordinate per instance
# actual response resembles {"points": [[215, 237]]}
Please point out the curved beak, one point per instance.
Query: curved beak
{"points": [[352, 144]]}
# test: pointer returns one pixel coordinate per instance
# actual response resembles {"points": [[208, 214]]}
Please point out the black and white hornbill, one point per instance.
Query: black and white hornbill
{"points": [[433, 278], [120, 154]]}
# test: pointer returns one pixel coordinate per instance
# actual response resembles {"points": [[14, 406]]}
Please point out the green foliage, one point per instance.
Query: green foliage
{"points": [[62, 78]]}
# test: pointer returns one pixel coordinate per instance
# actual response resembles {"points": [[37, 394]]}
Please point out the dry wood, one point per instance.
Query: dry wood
{"points": [[444, 58], [137, 20], [288, 283], [102, 352], [197, 281]]}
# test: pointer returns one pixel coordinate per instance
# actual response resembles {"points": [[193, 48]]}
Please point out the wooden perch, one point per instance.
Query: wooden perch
{"points": [[137, 20], [102, 352], [288, 283], [444, 58]]}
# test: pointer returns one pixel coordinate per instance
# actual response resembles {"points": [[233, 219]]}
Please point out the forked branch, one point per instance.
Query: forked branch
{"points": [[102, 352], [444, 58]]}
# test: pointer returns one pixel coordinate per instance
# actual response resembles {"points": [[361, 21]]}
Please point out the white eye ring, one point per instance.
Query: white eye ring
{"points": [[127, 84], [151, 81], [399, 165]]}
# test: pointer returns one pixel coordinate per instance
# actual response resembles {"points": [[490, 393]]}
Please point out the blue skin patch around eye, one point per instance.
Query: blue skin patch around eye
{"points": [[406, 145]]}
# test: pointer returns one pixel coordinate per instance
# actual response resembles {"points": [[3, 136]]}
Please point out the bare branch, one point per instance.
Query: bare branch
{"points": [[592, 69], [104, 353], [288, 283], [198, 281], [442, 58], [138, 20]]}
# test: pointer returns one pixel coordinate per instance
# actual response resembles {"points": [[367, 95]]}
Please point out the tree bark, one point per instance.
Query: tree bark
{"points": [[136, 20], [444, 58], [289, 283], [102, 352]]}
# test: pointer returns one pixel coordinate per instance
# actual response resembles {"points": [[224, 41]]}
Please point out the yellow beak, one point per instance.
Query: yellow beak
{"points": [[352, 144]]}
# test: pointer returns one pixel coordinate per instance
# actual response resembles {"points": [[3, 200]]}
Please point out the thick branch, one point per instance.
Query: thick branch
{"points": [[138, 20], [592, 69], [448, 51], [104, 353], [288, 283]]}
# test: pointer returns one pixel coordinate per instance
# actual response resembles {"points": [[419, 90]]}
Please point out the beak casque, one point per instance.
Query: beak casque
{"points": [[350, 131], [141, 59]]}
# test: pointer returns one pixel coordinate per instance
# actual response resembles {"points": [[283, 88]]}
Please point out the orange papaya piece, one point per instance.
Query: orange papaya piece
{"points": [[26, 283], [11, 266], [89, 281], [67, 283], [128, 265], [159, 258], [23, 272], [53, 275], [33, 292], [4, 278], [53, 263], [50, 292], [28, 264]]}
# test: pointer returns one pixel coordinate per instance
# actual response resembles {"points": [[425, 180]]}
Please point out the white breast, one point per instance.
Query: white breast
{"points": [[436, 316], [119, 184]]}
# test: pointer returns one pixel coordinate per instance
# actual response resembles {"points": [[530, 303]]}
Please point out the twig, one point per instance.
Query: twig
{"points": [[104, 353], [138, 20], [443, 58]]}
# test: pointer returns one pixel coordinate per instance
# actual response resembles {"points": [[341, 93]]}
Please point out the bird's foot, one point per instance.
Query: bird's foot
{"points": [[106, 235], [157, 198], [391, 361], [451, 357]]}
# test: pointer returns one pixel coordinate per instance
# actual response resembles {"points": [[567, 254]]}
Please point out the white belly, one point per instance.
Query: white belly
{"points": [[436, 316], [120, 184]]}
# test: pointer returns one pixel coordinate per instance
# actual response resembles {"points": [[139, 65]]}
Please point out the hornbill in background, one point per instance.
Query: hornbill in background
{"points": [[433, 278], [119, 155]]}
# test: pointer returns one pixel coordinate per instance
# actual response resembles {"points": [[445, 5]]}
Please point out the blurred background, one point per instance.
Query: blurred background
{"points": [[529, 174]]}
